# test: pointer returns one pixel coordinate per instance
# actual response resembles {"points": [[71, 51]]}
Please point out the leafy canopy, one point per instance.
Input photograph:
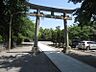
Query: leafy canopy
{"points": [[87, 11]]}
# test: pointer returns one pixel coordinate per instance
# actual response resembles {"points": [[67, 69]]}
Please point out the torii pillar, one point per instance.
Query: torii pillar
{"points": [[66, 38], [35, 47]]}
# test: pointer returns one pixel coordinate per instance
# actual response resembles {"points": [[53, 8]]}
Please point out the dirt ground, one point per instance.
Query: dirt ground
{"points": [[24, 61], [88, 59], [21, 60]]}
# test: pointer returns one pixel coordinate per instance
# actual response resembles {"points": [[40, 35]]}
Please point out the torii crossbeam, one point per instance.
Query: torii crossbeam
{"points": [[52, 10]]}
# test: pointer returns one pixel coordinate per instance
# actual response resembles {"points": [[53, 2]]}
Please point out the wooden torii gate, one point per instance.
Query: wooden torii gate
{"points": [[38, 14]]}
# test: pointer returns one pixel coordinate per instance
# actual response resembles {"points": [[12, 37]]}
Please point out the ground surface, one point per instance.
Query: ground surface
{"points": [[86, 56], [21, 60]]}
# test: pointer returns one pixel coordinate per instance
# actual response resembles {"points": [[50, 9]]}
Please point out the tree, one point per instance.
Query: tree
{"points": [[54, 37], [45, 34], [27, 30], [58, 31], [84, 33], [87, 11], [8, 8]]}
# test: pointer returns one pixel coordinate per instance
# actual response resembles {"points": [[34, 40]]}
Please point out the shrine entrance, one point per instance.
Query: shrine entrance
{"points": [[39, 14]]}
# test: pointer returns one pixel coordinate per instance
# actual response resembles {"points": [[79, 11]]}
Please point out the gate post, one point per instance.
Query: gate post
{"points": [[66, 40], [35, 47]]}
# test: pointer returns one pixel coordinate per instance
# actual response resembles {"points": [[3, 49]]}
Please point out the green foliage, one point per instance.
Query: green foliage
{"points": [[45, 34], [87, 11], [1, 39], [82, 33], [8, 8], [27, 29], [76, 1], [56, 36], [22, 27], [75, 32]]}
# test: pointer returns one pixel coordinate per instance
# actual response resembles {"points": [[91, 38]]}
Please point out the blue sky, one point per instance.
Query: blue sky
{"points": [[52, 23]]}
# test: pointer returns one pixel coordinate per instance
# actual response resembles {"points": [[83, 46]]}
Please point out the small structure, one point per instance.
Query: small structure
{"points": [[38, 14]]}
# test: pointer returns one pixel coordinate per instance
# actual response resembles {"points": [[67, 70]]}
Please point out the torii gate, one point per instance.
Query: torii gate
{"points": [[38, 14]]}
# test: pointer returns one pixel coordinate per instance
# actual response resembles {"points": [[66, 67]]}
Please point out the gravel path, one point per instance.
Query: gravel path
{"points": [[84, 57], [21, 60]]}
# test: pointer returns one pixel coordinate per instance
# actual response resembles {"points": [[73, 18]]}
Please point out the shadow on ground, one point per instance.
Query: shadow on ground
{"points": [[28, 63], [88, 59], [56, 46]]}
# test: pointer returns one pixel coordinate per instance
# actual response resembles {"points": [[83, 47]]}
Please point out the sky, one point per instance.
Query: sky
{"points": [[52, 23]]}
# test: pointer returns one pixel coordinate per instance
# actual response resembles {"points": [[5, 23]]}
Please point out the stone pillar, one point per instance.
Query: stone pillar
{"points": [[66, 40], [35, 48], [37, 29]]}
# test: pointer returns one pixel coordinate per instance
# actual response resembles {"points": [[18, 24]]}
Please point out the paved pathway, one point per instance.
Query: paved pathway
{"points": [[64, 62]]}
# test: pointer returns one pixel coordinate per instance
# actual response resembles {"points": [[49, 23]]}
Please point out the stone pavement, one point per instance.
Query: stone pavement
{"points": [[63, 62]]}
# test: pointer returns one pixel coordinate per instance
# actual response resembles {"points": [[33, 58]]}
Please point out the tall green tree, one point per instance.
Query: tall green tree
{"points": [[87, 11], [84, 33], [8, 8], [26, 30]]}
